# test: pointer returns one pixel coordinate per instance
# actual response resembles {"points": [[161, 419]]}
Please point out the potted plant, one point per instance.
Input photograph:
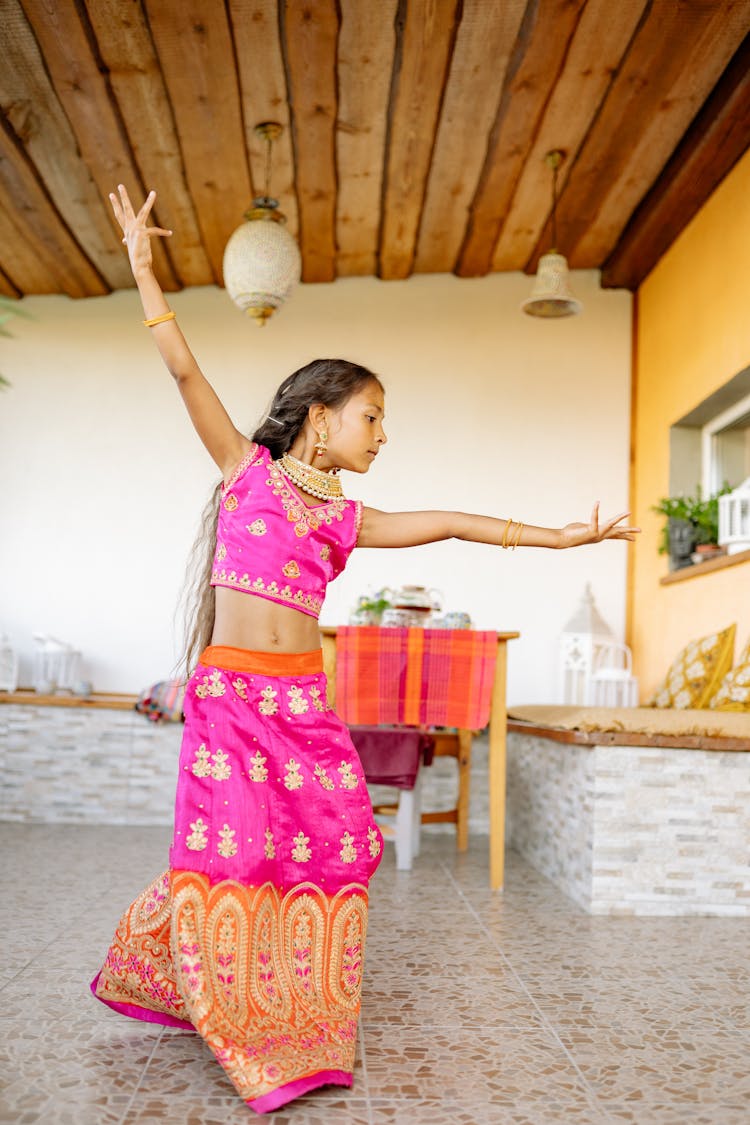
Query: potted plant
{"points": [[692, 523]]}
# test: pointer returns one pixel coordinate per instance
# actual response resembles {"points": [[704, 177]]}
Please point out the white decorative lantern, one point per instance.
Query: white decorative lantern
{"points": [[734, 519], [551, 295], [262, 262], [55, 665], [8, 665]]}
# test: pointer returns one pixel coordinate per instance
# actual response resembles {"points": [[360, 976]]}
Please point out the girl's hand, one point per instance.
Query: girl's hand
{"points": [[576, 534], [137, 235]]}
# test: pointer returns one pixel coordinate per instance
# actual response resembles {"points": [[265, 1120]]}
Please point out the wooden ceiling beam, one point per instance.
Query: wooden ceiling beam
{"points": [[674, 60], [309, 35], [537, 59], [483, 48], [260, 64], [196, 53], [31, 106], [423, 53], [599, 43], [716, 140], [126, 48], [88, 103], [7, 288], [367, 40], [37, 251]]}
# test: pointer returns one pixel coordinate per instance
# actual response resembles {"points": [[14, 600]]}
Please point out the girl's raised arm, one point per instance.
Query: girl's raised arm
{"points": [[213, 425], [408, 529]]}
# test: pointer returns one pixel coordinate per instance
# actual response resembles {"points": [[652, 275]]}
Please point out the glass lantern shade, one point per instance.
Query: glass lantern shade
{"points": [[551, 295], [262, 263]]}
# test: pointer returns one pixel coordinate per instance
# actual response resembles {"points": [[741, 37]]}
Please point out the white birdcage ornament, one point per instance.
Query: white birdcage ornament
{"points": [[734, 519], [8, 665], [595, 669]]}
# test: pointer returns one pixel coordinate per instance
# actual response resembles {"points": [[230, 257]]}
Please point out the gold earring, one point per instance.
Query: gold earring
{"points": [[320, 444]]}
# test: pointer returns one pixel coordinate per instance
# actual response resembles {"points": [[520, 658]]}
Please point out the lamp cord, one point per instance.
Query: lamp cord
{"points": [[554, 207]]}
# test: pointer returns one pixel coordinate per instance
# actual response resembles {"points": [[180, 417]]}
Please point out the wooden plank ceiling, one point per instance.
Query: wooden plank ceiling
{"points": [[414, 131]]}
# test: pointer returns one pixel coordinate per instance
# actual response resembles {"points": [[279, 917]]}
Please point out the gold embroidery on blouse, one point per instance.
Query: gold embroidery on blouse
{"points": [[197, 841], [323, 778], [298, 705], [374, 841], [300, 852], [268, 704], [325, 552], [293, 778], [349, 780], [221, 552], [258, 771], [257, 527], [298, 598], [348, 852], [297, 512], [269, 848], [291, 569], [227, 847], [231, 502], [212, 685]]}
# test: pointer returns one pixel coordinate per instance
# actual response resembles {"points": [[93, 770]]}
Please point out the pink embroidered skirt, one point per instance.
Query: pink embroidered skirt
{"points": [[255, 935]]}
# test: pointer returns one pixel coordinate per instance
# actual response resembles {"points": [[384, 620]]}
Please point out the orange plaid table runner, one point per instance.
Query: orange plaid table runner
{"points": [[415, 677]]}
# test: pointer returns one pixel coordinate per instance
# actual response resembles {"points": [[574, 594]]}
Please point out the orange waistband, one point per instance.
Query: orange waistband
{"points": [[264, 663]]}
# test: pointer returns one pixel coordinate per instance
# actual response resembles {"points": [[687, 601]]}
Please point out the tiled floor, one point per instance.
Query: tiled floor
{"points": [[478, 1008]]}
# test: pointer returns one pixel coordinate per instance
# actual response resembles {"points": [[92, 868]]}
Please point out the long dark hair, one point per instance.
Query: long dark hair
{"points": [[331, 382]]}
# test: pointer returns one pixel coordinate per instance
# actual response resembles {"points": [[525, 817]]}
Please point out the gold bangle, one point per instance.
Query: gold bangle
{"points": [[160, 319], [504, 543], [521, 526]]}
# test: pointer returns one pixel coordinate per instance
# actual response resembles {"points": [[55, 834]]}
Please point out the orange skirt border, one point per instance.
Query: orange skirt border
{"points": [[263, 663]]}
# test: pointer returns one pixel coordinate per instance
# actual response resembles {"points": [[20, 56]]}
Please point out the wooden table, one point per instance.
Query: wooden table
{"points": [[498, 730]]}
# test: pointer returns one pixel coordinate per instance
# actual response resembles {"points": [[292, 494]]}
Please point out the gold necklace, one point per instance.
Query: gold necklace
{"points": [[313, 481]]}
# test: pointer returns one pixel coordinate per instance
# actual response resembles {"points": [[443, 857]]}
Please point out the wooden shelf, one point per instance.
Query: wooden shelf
{"points": [[109, 701], [693, 571]]}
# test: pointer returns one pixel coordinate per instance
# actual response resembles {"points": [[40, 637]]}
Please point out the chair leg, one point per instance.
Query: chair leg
{"points": [[464, 780], [405, 830], [416, 827]]}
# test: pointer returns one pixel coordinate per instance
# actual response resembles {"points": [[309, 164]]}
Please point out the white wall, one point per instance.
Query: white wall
{"points": [[487, 410]]}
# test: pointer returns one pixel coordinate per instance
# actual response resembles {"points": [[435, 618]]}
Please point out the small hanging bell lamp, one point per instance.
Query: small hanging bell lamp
{"points": [[262, 261], [551, 295]]}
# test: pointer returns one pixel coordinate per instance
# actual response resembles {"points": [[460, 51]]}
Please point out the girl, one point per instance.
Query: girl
{"points": [[255, 935]]}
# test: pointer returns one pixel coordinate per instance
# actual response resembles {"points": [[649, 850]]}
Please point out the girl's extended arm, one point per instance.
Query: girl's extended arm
{"points": [[215, 428], [408, 529]]}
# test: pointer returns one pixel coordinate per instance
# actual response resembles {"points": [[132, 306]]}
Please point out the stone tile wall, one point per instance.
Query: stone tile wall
{"points": [[634, 830], [75, 765]]}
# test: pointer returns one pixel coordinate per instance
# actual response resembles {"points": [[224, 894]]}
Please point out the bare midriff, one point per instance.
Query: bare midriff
{"points": [[248, 621]]}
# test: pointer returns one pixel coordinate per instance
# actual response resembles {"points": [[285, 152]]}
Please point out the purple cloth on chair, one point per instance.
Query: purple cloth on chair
{"points": [[392, 755]]}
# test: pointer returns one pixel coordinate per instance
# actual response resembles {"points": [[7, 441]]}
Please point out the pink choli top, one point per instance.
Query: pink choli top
{"points": [[269, 542]]}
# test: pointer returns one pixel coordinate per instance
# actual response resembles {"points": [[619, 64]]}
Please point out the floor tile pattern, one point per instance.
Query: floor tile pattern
{"points": [[479, 1008]]}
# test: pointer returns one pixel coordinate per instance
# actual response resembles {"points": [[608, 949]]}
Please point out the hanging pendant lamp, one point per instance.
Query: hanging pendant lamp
{"points": [[551, 295], [262, 261]]}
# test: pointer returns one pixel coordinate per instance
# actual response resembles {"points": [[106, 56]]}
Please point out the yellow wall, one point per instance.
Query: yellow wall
{"points": [[692, 336]]}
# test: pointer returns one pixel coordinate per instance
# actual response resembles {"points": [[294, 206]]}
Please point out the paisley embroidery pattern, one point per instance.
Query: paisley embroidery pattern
{"points": [[349, 779], [258, 771], [291, 569], [231, 502], [301, 853], [323, 778], [298, 705], [226, 847], [197, 841], [211, 685], [292, 778]]}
